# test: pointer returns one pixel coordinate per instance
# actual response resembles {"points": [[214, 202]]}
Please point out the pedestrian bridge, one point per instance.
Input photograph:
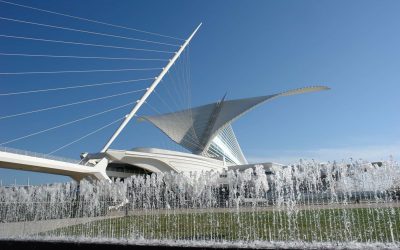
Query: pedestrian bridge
{"points": [[30, 161]]}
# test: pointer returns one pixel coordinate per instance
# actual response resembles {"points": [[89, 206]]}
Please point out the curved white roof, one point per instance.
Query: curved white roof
{"points": [[206, 129]]}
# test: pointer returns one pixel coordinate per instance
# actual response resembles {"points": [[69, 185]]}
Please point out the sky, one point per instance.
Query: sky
{"points": [[243, 49]]}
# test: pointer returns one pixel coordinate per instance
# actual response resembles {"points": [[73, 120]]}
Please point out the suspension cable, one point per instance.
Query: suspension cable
{"points": [[86, 31], [91, 20], [83, 137], [152, 107], [191, 139], [65, 124], [84, 57], [172, 111], [70, 104], [84, 44], [195, 137], [76, 71], [73, 87], [195, 140], [173, 100]]}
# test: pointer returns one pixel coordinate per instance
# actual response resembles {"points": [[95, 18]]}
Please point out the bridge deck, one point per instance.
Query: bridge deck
{"points": [[37, 162]]}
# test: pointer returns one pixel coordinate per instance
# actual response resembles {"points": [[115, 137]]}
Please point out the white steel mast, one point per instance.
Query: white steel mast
{"points": [[148, 92]]}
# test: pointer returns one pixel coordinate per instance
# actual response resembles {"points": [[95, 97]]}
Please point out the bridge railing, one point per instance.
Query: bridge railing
{"points": [[37, 155]]}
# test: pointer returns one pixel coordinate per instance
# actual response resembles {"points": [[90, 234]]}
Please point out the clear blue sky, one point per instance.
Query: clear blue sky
{"points": [[244, 48]]}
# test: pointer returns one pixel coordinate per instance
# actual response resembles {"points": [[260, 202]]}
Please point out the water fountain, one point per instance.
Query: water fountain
{"points": [[352, 203]]}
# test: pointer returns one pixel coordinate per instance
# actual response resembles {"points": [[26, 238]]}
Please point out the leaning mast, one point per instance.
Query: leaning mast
{"points": [[142, 100]]}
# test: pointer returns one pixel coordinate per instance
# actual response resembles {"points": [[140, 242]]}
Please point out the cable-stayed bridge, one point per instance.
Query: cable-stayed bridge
{"points": [[204, 133]]}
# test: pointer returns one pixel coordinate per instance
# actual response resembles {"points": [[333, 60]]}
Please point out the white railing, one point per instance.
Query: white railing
{"points": [[37, 155]]}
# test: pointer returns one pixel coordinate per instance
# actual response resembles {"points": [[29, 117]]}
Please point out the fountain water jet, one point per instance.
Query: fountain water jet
{"points": [[307, 204]]}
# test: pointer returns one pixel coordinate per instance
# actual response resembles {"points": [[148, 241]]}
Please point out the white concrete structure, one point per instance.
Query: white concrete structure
{"points": [[29, 161], [205, 131], [124, 163]]}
